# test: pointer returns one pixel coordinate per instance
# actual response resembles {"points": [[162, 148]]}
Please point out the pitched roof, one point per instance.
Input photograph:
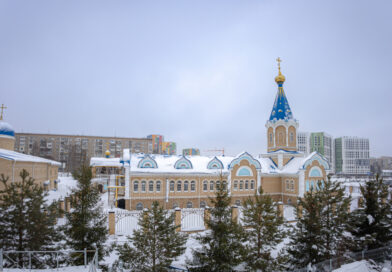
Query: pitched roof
{"points": [[16, 156]]}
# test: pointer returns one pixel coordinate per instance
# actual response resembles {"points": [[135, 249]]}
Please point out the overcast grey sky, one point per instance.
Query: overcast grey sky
{"points": [[201, 73]]}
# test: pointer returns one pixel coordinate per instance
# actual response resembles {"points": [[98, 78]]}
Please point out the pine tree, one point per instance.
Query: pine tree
{"points": [[26, 221], [372, 223], [264, 232], [222, 244], [86, 223], [155, 245], [323, 230]]}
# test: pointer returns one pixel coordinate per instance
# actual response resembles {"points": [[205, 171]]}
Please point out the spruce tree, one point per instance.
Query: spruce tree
{"points": [[86, 223], [335, 219], [27, 222], [372, 223], [222, 244], [155, 245], [323, 230], [264, 231], [307, 232]]}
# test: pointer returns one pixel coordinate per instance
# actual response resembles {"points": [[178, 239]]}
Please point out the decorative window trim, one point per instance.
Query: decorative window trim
{"points": [[147, 162], [215, 163], [242, 169], [183, 163], [245, 156]]}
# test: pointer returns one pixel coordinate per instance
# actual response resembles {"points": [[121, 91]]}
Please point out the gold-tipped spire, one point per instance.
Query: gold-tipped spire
{"points": [[2, 110], [279, 78]]}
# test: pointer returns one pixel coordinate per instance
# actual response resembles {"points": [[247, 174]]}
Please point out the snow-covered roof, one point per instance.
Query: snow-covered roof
{"points": [[178, 164], [16, 156], [99, 161]]}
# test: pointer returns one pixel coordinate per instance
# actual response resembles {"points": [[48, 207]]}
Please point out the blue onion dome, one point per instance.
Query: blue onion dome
{"points": [[6, 129]]}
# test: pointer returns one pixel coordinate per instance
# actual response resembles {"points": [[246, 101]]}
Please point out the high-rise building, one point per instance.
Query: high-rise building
{"points": [[303, 142], [157, 141], [323, 144], [352, 155], [190, 151], [169, 148]]}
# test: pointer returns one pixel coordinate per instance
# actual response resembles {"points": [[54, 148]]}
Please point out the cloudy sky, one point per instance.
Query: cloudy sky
{"points": [[201, 73]]}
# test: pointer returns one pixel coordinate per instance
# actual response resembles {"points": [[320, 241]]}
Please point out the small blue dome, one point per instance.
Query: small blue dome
{"points": [[6, 129]]}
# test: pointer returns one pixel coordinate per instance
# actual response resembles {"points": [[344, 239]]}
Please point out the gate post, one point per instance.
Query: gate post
{"points": [[299, 211], [62, 208], [177, 219], [112, 223], [234, 213], [206, 216], [67, 204], [280, 209]]}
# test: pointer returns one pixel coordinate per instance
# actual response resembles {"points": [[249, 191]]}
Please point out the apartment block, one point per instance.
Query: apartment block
{"points": [[73, 150], [352, 155]]}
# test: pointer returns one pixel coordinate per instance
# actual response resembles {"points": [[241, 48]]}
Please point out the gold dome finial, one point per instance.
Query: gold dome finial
{"points": [[279, 78]]}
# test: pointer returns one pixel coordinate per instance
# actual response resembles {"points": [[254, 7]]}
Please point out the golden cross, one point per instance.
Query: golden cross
{"points": [[279, 61], [2, 110]]}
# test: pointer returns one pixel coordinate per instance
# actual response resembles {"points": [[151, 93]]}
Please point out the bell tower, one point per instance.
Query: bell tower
{"points": [[281, 126]]}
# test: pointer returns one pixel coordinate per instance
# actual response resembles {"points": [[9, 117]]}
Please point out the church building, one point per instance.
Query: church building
{"points": [[189, 181]]}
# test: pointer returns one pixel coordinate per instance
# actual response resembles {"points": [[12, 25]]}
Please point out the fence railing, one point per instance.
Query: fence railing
{"points": [[378, 255], [28, 260]]}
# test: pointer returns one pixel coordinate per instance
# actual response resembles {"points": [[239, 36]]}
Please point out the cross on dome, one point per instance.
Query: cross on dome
{"points": [[2, 111]]}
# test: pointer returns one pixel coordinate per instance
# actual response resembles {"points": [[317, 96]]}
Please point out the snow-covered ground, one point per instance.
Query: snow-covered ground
{"points": [[64, 188], [360, 266]]}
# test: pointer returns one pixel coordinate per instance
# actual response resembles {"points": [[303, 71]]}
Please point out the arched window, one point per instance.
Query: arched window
{"points": [[205, 186], [217, 185], [238, 202], [179, 186], [287, 185], [235, 185], [270, 138], [291, 137], [292, 185], [241, 184], [280, 139], [224, 185], [158, 186], [143, 186], [151, 186], [307, 185], [252, 184], [175, 205], [139, 206], [186, 185], [203, 204], [193, 186], [136, 186], [172, 186], [189, 204], [211, 185], [246, 184]]}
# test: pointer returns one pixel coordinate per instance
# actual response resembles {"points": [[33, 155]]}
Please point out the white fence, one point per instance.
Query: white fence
{"points": [[192, 219], [127, 221]]}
